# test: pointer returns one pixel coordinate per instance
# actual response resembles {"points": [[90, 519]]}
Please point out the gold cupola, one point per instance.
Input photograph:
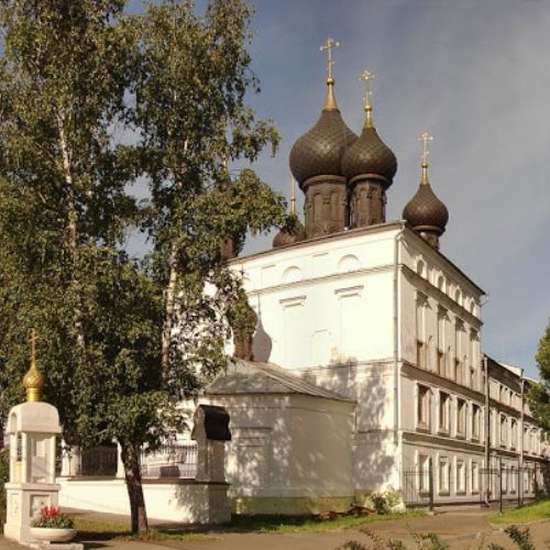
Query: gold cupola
{"points": [[33, 381]]}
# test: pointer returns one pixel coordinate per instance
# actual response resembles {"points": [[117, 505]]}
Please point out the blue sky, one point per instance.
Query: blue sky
{"points": [[476, 75]]}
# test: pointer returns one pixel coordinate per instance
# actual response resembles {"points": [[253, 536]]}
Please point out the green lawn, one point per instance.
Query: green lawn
{"points": [[531, 512], [92, 529]]}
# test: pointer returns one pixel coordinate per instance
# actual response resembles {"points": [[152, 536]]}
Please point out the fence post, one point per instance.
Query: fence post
{"points": [[431, 483], [517, 486], [500, 472]]}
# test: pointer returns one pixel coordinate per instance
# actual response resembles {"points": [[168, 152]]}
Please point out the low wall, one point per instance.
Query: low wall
{"points": [[183, 501]]}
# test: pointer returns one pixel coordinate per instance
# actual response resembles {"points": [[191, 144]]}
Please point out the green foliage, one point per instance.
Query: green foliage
{"points": [[430, 541], [380, 504], [4, 477], [532, 512], [521, 537], [383, 502], [539, 396], [73, 77]]}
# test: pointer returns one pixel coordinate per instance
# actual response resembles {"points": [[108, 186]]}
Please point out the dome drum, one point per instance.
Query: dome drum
{"points": [[375, 178], [367, 203], [325, 206]]}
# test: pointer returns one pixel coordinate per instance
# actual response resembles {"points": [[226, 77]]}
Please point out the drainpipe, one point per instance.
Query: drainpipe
{"points": [[396, 335], [521, 421], [487, 428]]}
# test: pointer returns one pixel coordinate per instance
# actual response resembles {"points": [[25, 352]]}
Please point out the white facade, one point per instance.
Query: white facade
{"points": [[379, 317]]}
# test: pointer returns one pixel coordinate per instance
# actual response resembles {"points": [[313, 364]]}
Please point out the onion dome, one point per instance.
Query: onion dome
{"points": [[293, 231], [33, 381], [319, 151], [369, 157], [425, 213]]}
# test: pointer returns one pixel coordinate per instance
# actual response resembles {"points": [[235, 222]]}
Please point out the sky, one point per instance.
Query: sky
{"points": [[475, 74]]}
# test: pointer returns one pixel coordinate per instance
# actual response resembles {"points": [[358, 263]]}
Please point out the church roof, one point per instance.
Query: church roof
{"points": [[251, 377]]}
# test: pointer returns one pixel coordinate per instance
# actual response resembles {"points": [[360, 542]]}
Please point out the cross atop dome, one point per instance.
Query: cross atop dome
{"points": [[328, 46], [367, 77], [425, 138]]}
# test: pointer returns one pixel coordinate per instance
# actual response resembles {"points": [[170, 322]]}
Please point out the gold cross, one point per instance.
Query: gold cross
{"points": [[292, 195], [328, 46], [33, 339], [425, 138], [367, 77]]}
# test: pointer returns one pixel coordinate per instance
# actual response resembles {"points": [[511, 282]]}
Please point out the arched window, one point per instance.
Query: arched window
{"points": [[458, 297], [420, 268], [441, 283]]}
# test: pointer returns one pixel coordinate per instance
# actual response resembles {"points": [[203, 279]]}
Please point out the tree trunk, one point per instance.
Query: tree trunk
{"points": [[72, 227], [132, 473], [170, 307]]}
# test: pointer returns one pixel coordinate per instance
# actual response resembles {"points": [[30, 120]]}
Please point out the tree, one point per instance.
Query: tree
{"points": [[190, 90], [123, 341], [539, 396]]}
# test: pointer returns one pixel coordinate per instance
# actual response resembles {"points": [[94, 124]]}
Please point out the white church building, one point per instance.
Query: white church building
{"points": [[365, 371], [366, 361]]}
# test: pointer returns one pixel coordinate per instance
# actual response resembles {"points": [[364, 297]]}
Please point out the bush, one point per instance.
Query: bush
{"points": [[384, 502], [380, 503]]}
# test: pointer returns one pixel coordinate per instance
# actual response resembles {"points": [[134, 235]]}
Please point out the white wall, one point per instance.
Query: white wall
{"points": [[289, 446], [328, 302]]}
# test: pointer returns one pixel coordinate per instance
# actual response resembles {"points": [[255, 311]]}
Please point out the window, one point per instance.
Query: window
{"points": [[473, 360], [513, 479], [513, 433], [420, 268], [441, 329], [476, 421], [444, 403], [460, 476], [525, 439], [423, 407], [424, 479], [458, 297], [444, 475], [503, 431], [421, 331], [461, 417], [475, 477], [459, 366]]}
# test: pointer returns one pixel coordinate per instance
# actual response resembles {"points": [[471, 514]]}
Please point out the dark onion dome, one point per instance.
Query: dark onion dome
{"points": [[292, 232], [319, 151], [425, 213], [369, 157]]}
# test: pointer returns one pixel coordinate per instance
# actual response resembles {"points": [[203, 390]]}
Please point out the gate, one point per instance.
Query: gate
{"points": [[418, 486]]}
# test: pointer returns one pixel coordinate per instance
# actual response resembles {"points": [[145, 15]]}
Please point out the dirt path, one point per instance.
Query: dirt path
{"points": [[463, 529]]}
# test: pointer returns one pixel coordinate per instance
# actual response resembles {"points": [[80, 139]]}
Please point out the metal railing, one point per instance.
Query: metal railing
{"points": [[170, 461], [99, 461]]}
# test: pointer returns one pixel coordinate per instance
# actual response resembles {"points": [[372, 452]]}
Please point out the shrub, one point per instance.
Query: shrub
{"points": [[380, 503]]}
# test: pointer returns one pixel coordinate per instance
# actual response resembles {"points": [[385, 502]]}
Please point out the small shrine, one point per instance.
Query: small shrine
{"points": [[32, 428]]}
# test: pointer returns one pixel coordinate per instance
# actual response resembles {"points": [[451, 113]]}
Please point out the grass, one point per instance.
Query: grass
{"points": [[526, 514], [92, 529]]}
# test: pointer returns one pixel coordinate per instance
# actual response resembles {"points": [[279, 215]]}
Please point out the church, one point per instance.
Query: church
{"points": [[365, 371], [366, 362]]}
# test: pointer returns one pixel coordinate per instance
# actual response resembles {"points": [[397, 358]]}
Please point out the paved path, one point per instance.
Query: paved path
{"points": [[461, 529]]}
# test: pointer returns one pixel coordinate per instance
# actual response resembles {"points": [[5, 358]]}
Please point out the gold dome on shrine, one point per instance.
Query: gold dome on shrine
{"points": [[34, 380]]}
